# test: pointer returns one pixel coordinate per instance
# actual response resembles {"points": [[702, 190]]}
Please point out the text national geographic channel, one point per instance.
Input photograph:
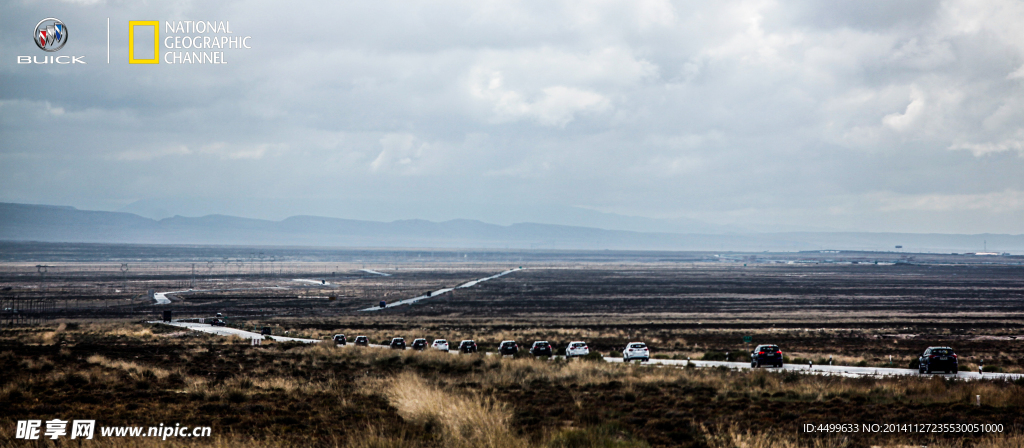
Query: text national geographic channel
{"points": [[183, 42]]}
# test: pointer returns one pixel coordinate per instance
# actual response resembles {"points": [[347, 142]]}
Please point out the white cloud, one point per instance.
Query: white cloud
{"points": [[553, 106], [1016, 74], [399, 151], [984, 149], [150, 154], [903, 121], [552, 87]]}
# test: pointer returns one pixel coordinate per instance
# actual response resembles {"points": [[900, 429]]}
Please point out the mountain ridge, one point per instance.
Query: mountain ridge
{"points": [[45, 223]]}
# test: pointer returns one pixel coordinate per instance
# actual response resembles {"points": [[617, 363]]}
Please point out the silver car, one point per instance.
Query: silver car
{"points": [[636, 350], [577, 348]]}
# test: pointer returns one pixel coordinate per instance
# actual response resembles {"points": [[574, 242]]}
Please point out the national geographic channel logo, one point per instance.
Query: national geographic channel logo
{"points": [[50, 35], [205, 42]]}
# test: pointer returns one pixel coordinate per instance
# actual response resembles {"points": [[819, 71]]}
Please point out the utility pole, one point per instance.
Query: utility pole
{"points": [[124, 287], [42, 284]]}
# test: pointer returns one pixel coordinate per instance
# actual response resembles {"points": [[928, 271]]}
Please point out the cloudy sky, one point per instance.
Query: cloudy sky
{"points": [[753, 115]]}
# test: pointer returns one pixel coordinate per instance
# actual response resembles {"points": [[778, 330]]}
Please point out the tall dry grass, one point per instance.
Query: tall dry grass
{"points": [[131, 367], [464, 421]]}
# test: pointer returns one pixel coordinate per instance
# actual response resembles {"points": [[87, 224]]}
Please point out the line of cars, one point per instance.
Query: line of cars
{"points": [[507, 348], [934, 359]]}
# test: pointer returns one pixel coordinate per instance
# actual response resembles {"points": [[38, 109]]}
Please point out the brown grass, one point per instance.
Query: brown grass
{"points": [[466, 421], [432, 399]]}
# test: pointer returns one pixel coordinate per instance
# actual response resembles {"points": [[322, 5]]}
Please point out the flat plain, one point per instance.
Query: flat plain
{"points": [[87, 351]]}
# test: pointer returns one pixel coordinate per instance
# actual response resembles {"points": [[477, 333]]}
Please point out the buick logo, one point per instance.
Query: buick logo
{"points": [[51, 34]]}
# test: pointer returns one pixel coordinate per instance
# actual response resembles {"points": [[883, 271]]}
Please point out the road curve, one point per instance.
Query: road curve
{"points": [[312, 282], [228, 331], [161, 297]]}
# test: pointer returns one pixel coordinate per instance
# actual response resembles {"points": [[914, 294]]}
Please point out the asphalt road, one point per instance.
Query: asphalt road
{"points": [[847, 371], [161, 297], [228, 331], [440, 291]]}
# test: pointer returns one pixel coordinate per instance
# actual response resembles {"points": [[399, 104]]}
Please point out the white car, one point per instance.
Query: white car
{"points": [[636, 350], [577, 348], [440, 344]]}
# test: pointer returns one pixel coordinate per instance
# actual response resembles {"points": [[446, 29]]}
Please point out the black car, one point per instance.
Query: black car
{"points": [[267, 331], [938, 359], [218, 323], [766, 355], [541, 348], [468, 346], [419, 344], [339, 339], [362, 340], [508, 348], [398, 343]]}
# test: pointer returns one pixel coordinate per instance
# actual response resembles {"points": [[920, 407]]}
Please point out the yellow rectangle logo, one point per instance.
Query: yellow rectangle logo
{"points": [[131, 41]]}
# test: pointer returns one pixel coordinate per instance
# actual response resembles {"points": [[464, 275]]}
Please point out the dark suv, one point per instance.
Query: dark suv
{"points": [[508, 348], [419, 344], [398, 343], [938, 359], [541, 348], [468, 346], [339, 339], [362, 340], [766, 355]]}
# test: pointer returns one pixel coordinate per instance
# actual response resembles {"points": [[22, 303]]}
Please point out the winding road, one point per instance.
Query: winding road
{"points": [[826, 370], [441, 291], [228, 331]]}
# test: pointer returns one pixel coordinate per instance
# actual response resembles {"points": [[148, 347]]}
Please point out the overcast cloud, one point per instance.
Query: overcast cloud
{"points": [[861, 115]]}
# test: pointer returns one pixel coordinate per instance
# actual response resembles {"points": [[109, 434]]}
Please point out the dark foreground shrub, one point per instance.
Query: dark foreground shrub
{"points": [[603, 436]]}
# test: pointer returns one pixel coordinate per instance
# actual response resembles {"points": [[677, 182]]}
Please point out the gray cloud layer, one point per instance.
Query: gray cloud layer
{"points": [[862, 115]]}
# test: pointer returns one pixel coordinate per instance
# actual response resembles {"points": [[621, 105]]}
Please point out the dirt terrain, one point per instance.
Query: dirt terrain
{"points": [[74, 342], [280, 394]]}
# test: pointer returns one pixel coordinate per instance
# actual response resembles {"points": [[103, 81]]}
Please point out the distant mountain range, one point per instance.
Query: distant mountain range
{"points": [[24, 222]]}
